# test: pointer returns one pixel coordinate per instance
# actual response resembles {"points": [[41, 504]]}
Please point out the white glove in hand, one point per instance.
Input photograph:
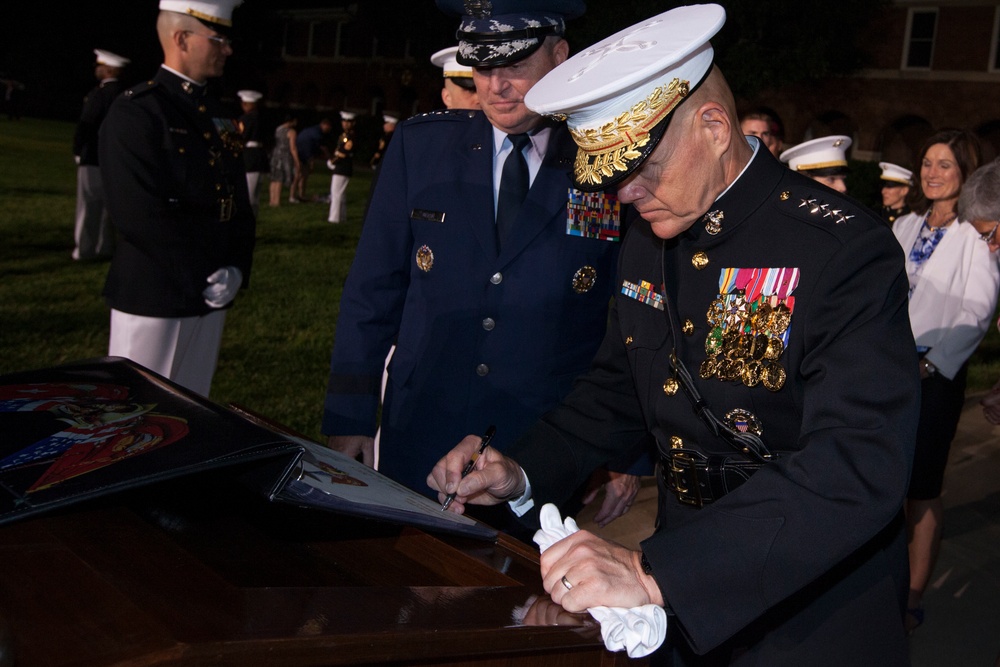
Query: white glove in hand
{"points": [[222, 286], [640, 630]]}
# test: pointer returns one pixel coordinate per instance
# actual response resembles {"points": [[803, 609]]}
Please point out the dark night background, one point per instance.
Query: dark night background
{"points": [[49, 47]]}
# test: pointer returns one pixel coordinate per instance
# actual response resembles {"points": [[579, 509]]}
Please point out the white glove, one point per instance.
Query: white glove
{"points": [[76, 158], [640, 630], [222, 286]]}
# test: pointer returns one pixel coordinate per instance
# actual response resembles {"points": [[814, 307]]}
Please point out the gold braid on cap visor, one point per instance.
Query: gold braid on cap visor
{"points": [[211, 19], [605, 150]]}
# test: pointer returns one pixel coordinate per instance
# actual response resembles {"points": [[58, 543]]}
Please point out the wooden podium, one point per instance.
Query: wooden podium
{"points": [[197, 571]]}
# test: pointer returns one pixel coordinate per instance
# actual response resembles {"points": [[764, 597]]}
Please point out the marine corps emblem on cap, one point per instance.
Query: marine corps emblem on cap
{"points": [[494, 33], [617, 96]]}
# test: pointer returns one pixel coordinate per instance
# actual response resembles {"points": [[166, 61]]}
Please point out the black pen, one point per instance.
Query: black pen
{"points": [[483, 444]]}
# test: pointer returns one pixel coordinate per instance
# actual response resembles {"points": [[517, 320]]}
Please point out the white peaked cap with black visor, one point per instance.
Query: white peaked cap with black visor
{"points": [[618, 95], [217, 15]]}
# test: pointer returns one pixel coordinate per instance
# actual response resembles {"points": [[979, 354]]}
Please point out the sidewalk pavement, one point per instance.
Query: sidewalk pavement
{"points": [[962, 603]]}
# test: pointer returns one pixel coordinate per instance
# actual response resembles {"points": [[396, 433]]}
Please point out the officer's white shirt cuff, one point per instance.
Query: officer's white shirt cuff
{"points": [[524, 502]]}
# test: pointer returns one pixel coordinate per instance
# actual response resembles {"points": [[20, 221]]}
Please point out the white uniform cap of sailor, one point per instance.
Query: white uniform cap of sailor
{"points": [[392, 120], [110, 59], [445, 59], [617, 96], [820, 153], [346, 115], [895, 173], [219, 12], [250, 96]]}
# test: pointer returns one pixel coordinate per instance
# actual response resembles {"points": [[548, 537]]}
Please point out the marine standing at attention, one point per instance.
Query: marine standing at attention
{"points": [[179, 202]]}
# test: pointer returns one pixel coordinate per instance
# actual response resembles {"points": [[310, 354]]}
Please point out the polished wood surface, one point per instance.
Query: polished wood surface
{"points": [[200, 571]]}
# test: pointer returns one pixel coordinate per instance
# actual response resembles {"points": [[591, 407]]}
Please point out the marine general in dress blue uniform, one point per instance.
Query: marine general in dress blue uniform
{"points": [[760, 334], [487, 331]]}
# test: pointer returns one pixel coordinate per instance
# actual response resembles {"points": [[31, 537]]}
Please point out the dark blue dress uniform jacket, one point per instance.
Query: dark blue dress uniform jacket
{"points": [[169, 177], [805, 563], [482, 336]]}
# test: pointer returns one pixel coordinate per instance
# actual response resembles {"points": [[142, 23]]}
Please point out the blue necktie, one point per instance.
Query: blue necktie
{"points": [[513, 186]]}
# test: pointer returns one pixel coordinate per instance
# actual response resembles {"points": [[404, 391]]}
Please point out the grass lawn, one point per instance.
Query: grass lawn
{"points": [[276, 347]]}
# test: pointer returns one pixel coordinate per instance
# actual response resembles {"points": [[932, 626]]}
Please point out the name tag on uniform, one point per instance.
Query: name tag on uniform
{"points": [[593, 215], [427, 216]]}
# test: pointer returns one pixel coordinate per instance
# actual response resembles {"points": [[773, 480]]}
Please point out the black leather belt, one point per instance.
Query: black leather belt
{"points": [[698, 479]]}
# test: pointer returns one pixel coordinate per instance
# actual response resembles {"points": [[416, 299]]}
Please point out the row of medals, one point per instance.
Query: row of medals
{"points": [[744, 343]]}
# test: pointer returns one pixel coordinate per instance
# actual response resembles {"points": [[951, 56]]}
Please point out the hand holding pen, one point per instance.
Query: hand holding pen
{"points": [[483, 444]]}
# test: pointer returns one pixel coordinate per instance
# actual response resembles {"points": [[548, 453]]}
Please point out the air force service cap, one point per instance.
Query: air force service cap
{"points": [[617, 96], [110, 59], [822, 153], [451, 69], [893, 174], [500, 32], [217, 15]]}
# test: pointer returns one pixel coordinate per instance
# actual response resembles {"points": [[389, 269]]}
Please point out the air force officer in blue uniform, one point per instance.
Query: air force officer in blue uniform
{"points": [[491, 326]]}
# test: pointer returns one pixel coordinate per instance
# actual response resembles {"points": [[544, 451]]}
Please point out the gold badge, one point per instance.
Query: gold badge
{"points": [[584, 279], [781, 317], [687, 327], [425, 258], [743, 421], [751, 373], [699, 260], [717, 312], [773, 377], [775, 348], [670, 386]]}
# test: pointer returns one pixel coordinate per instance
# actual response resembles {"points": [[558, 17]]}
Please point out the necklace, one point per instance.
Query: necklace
{"points": [[944, 223]]}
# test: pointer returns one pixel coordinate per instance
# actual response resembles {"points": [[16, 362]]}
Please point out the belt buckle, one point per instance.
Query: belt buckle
{"points": [[225, 209], [683, 478]]}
